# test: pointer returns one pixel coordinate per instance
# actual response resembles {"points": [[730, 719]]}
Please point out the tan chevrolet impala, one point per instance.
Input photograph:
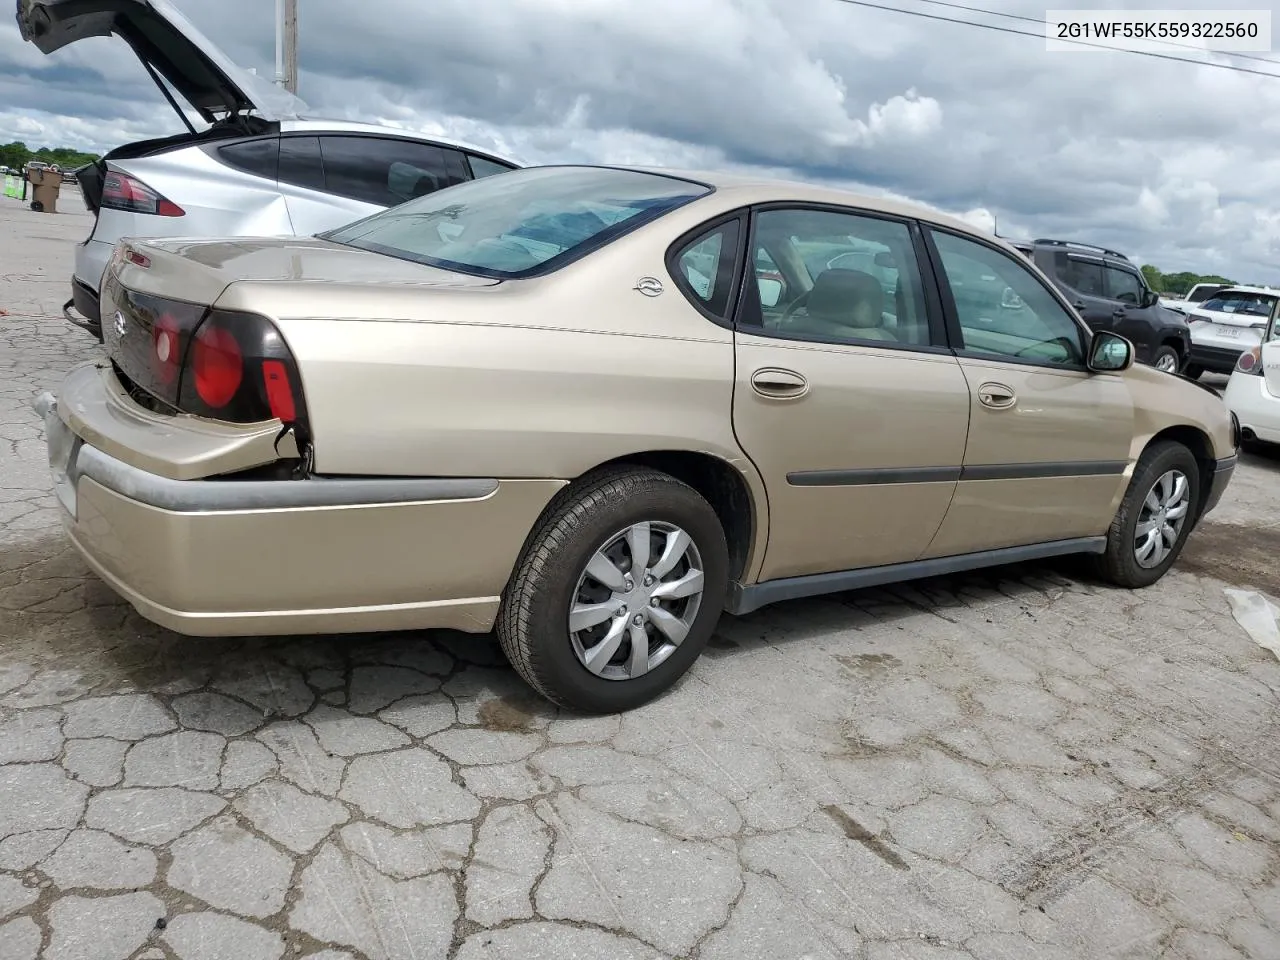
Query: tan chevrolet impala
{"points": [[596, 408]]}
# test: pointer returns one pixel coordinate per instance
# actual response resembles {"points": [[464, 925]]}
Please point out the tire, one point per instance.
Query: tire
{"points": [[551, 577], [37, 206], [1167, 353], [1193, 372], [1120, 563]]}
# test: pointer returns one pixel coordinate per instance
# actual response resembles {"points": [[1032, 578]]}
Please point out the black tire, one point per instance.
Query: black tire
{"points": [[1193, 372], [1164, 350], [1119, 564], [533, 621], [37, 206]]}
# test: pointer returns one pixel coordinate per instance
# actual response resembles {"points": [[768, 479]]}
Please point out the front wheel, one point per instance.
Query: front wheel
{"points": [[617, 592], [1166, 359], [1155, 516]]}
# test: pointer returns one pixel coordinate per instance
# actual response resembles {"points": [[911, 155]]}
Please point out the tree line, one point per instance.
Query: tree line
{"points": [[16, 155], [1177, 284]]}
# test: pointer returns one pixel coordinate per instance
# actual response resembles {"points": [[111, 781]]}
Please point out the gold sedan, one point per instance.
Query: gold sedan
{"points": [[596, 408]]}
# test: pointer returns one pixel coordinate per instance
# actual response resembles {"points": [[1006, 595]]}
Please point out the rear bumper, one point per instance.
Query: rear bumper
{"points": [[1218, 359], [1249, 399], [210, 557]]}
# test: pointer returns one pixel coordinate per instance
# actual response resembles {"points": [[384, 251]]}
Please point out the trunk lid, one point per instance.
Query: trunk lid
{"points": [[168, 45]]}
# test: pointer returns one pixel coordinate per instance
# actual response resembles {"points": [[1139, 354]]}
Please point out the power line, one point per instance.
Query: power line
{"points": [[1080, 43], [1044, 23]]}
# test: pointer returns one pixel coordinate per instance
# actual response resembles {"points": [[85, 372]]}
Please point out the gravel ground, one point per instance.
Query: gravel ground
{"points": [[1016, 765]]}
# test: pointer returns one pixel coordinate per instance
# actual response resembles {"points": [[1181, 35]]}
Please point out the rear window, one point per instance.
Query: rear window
{"points": [[523, 223], [1240, 302]]}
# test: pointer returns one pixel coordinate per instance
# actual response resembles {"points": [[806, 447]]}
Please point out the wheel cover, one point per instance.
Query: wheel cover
{"points": [[1160, 522], [636, 600], [1167, 362]]}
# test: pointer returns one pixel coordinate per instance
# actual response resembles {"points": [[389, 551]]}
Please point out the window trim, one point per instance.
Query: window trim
{"points": [[749, 316], [670, 258], [955, 334]]}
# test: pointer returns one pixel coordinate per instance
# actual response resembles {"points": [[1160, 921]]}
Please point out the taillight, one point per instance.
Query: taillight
{"points": [[123, 192], [217, 365], [1250, 362], [239, 369]]}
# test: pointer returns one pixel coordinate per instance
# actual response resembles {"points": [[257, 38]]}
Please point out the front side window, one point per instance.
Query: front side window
{"points": [[1003, 309], [527, 222], [1123, 285], [838, 277], [1240, 302]]}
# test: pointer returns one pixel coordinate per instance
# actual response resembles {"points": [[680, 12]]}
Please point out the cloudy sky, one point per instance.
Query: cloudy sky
{"points": [[1172, 163]]}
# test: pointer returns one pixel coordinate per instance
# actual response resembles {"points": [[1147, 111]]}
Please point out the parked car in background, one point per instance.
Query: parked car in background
{"points": [[568, 408], [1226, 325], [1253, 390], [1196, 295], [257, 169], [1111, 295]]}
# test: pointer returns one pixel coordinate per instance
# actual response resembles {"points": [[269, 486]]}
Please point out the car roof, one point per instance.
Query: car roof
{"points": [[754, 188], [321, 125], [1241, 288]]}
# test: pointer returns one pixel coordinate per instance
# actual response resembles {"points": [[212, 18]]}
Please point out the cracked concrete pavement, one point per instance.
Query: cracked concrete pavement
{"points": [[1014, 765]]}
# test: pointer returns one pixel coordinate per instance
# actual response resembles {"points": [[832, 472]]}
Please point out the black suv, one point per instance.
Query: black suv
{"points": [[1111, 294]]}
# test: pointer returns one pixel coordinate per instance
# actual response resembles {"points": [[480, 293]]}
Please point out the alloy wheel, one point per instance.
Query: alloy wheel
{"points": [[636, 601], [1163, 515]]}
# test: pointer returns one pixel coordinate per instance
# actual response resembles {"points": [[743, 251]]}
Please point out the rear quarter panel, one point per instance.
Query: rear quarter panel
{"points": [[538, 378]]}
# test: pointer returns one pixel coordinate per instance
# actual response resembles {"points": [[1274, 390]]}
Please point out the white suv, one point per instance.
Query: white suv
{"points": [[1226, 325], [257, 169]]}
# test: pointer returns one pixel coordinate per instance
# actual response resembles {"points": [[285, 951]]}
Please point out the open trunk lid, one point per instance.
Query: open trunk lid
{"points": [[168, 46]]}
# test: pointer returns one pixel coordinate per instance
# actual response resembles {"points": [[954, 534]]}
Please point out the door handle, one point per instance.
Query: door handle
{"points": [[1078, 305], [774, 383], [1119, 313], [997, 396]]}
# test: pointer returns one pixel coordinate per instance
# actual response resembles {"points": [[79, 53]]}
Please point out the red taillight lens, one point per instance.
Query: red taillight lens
{"points": [[217, 365], [1250, 361], [166, 349], [123, 192], [275, 378]]}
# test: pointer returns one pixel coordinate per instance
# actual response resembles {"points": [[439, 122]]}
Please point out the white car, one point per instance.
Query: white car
{"points": [[258, 169], [1226, 325], [1253, 392]]}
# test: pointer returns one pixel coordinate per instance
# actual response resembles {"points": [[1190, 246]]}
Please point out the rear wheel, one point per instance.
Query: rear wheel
{"points": [[617, 592], [1166, 359], [1154, 518]]}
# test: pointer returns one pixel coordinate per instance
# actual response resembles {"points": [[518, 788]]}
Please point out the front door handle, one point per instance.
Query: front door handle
{"points": [[996, 396], [1078, 306], [1119, 313], [775, 383]]}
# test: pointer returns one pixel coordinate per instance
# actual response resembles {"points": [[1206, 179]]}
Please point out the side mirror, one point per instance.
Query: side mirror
{"points": [[1150, 298], [770, 291], [1110, 353]]}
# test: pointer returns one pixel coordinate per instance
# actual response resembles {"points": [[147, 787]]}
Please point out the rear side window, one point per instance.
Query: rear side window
{"points": [[258, 157], [300, 162], [704, 268], [383, 171], [482, 167]]}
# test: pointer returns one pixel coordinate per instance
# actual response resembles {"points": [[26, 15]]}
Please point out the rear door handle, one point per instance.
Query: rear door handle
{"points": [[1078, 306], [997, 396], [776, 383]]}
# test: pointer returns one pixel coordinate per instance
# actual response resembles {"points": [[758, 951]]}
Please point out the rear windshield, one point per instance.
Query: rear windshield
{"points": [[520, 224], [1246, 304]]}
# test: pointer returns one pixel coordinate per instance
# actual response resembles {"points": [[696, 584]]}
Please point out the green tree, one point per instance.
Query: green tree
{"points": [[16, 154], [1155, 279]]}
